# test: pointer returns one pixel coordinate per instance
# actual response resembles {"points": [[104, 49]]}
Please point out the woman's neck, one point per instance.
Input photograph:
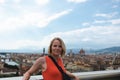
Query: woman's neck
{"points": [[55, 56]]}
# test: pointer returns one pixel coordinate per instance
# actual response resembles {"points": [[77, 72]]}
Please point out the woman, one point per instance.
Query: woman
{"points": [[49, 69]]}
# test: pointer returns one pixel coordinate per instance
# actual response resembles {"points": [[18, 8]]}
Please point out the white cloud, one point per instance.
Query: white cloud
{"points": [[115, 6], [2, 1], [42, 2], [116, 0], [103, 15], [13, 1], [16, 22], [112, 21], [77, 1], [109, 15], [85, 24], [100, 21], [57, 15], [53, 17], [29, 18], [98, 35], [47, 19], [86, 39], [91, 33], [18, 44], [115, 21], [16, 1]]}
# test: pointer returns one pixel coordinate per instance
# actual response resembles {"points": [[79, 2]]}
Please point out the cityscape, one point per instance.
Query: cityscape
{"points": [[16, 64], [90, 30]]}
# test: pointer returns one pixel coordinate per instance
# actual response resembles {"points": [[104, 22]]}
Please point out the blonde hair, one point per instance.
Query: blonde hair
{"points": [[62, 44]]}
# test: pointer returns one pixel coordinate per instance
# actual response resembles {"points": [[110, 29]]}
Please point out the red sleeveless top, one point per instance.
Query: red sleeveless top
{"points": [[52, 72]]}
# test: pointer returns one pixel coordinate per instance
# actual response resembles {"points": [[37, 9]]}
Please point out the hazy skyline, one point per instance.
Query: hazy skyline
{"points": [[31, 24]]}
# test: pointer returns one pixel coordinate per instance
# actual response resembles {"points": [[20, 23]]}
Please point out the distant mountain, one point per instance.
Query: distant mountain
{"points": [[75, 50], [92, 51], [109, 50]]}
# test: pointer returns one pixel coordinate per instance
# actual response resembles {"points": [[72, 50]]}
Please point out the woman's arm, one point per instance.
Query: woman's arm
{"points": [[37, 65], [72, 75]]}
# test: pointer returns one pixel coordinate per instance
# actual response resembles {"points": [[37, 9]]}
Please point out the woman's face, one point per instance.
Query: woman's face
{"points": [[56, 48]]}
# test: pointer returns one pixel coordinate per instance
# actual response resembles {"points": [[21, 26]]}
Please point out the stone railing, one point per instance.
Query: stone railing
{"points": [[93, 75]]}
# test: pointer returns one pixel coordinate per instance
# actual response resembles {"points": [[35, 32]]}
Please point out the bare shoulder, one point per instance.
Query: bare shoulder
{"points": [[41, 60]]}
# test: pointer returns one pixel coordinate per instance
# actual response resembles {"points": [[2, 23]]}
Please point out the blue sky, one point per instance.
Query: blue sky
{"points": [[31, 24]]}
